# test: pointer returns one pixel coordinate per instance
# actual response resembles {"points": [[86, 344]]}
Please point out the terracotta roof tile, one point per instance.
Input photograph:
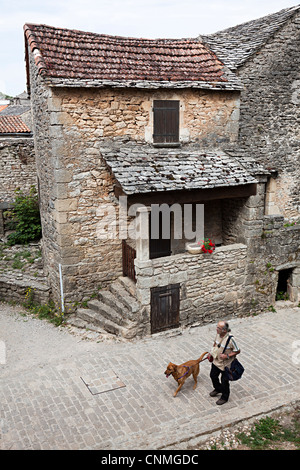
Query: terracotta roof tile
{"points": [[70, 54], [13, 125]]}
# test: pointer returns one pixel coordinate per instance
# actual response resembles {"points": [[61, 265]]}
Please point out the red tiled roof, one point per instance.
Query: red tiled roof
{"points": [[3, 106], [12, 125], [71, 54]]}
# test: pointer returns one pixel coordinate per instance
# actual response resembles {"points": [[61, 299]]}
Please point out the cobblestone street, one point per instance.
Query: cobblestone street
{"points": [[59, 391]]}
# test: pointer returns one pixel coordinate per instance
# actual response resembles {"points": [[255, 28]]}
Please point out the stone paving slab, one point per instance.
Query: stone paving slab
{"points": [[102, 382], [45, 404]]}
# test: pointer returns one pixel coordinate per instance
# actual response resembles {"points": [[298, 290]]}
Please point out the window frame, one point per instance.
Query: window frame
{"points": [[166, 122]]}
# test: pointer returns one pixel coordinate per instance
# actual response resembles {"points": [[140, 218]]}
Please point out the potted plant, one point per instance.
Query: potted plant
{"points": [[207, 246], [204, 246]]}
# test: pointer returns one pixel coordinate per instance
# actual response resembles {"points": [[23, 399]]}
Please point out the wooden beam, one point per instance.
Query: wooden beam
{"points": [[189, 196]]}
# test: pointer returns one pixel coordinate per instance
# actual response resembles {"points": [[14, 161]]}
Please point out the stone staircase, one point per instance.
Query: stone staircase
{"points": [[115, 311]]}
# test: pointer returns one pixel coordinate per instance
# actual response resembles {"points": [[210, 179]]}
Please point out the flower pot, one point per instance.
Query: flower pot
{"points": [[193, 248]]}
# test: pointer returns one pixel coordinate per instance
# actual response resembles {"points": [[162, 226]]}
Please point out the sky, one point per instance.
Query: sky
{"points": [[133, 18]]}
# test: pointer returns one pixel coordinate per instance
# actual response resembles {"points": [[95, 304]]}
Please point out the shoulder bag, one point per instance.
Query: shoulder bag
{"points": [[235, 370]]}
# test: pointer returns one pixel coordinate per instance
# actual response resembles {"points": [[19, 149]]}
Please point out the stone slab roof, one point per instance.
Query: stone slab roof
{"points": [[234, 46], [144, 169], [15, 110], [13, 125], [76, 58]]}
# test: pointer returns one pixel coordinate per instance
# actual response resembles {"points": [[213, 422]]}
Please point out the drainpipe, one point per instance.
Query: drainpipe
{"points": [[61, 290]]}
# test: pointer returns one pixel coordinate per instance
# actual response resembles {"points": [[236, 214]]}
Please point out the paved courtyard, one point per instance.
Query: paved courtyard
{"points": [[58, 391]]}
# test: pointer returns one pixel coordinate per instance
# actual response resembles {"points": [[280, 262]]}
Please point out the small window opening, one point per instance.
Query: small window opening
{"points": [[282, 292]]}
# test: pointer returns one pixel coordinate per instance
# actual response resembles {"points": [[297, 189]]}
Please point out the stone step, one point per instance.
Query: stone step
{"points": [[107, 310], [96, 319], [125, 297], [74, 320], [108, 298], [129, 285], [115, 311]]}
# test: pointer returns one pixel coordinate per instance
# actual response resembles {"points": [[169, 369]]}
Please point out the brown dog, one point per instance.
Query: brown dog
{"points": [[183, 371]]}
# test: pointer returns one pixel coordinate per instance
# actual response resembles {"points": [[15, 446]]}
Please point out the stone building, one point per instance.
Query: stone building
{"points": [[124, 127], [264, 54], [17, 159]]}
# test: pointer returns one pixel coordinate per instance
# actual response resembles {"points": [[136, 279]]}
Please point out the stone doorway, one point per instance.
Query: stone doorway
{"points": [[288, 285]]}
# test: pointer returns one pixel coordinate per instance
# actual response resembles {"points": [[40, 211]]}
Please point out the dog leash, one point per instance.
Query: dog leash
{"points": [[188, 368], [204, 358]]}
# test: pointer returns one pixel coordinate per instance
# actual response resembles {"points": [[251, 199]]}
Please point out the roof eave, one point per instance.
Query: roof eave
{"points": [[235, 85], [16, 134]]}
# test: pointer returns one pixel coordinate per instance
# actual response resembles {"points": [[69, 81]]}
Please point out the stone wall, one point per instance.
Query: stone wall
{"points": [[235, 280], [270, 112], [211, 286], [270, 247], [17, 170], [17, 166], [15, 289], [45, 167], [208, 117], [277, 248]]}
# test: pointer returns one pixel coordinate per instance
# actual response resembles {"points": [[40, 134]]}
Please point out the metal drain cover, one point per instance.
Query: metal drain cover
{"points": [[107, 382]]}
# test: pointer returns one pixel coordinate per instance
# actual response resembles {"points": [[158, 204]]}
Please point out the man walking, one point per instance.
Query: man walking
{"points": [[221, 359]]}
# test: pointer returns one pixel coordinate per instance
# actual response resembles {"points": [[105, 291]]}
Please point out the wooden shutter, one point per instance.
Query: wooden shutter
{"points": [[165, 121]]}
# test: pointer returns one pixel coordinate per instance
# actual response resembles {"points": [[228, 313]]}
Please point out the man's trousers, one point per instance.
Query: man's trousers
{"points": [[223, 386]]}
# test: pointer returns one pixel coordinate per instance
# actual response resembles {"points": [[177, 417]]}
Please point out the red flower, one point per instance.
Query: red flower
{"points": [[207, 245]]}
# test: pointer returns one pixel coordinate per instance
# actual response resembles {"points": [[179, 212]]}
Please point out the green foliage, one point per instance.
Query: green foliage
{"points": [[261, 434], [292, 223], [268, 431], [282, 295], [43, 312], [24, 218]]}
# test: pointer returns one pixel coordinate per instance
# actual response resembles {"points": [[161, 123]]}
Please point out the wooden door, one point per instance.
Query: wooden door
{"points": [[165, 303], [128, 257]]}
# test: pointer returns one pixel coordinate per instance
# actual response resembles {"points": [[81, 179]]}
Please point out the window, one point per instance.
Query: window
{"points": [[165, 121]]}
